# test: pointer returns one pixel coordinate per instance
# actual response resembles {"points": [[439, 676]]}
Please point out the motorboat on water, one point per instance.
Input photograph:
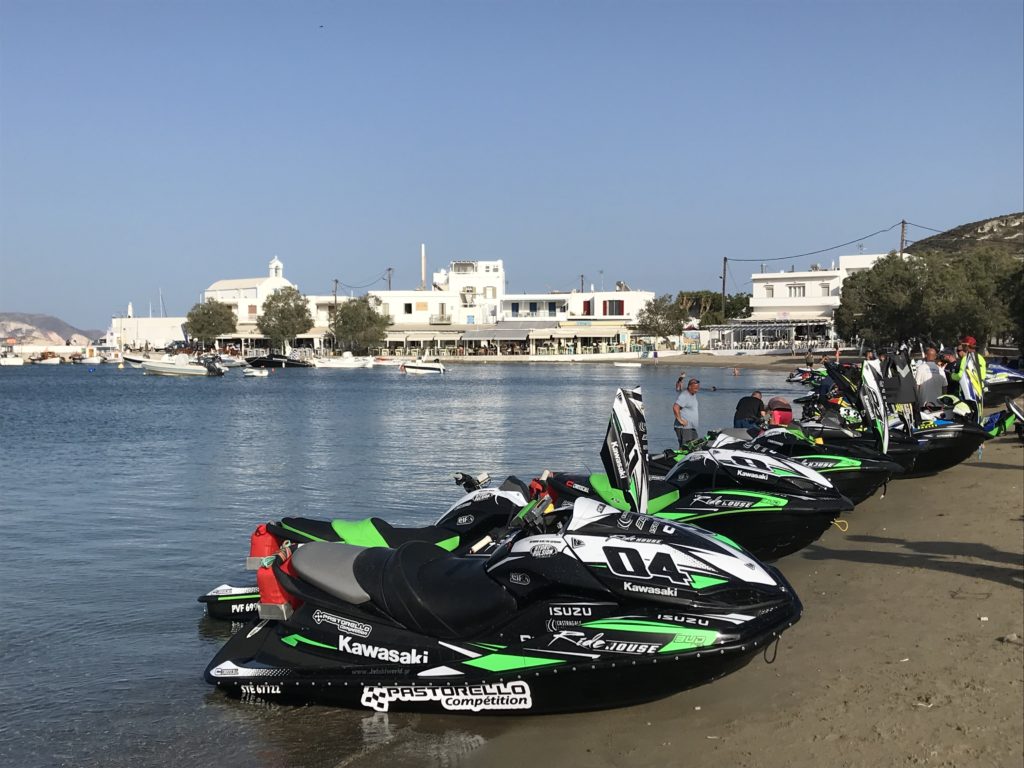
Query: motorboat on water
{"points": [[183, 365], [422, 366], [256, 373], [278, 361], [626, 365], [387, 361], [47, 358], [233, 361], [344, 360], [10, 359]]}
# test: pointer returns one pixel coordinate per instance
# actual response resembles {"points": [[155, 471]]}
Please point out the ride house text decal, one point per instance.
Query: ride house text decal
{"points": [[473, 698]]}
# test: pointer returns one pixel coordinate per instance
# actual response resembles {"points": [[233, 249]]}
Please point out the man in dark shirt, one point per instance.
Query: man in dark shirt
{"points": [[749, 412]]}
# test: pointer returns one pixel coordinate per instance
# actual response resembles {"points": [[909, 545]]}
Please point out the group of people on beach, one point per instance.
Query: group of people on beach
{"points": [[750, 410]]}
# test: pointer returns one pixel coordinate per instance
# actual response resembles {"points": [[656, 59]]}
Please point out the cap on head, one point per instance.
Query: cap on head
{"points": [[969, 341]]}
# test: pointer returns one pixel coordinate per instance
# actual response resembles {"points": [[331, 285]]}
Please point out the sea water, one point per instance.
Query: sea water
{"points": [[125, 496]]}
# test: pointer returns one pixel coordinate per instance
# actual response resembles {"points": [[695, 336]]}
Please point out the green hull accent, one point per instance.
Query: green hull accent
{"points": [[503, 662], [294, 640], [726, 540], [703, 582], [362, 533], [449, 544], [841, 463], [250, 596], [684, 638], [764, 500], [615, 498]]}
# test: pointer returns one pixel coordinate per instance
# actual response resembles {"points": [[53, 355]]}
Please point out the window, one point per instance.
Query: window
{"points": [[551, 309], [797, 291], [533, 309], [407, 309], [588, 307], [769, 291], [614, 307], [825, 290], [421, 306], [515, 309], [490, 292], [252, 310]]}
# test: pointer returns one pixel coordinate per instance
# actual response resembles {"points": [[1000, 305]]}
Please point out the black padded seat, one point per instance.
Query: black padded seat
{"points": [[431, 591], [330, 567]]}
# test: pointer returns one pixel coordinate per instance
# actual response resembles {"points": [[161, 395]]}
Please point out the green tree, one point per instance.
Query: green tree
{"points": [[661, 318], [938, 296], [285, 316], [357, 326], [208, 320]]}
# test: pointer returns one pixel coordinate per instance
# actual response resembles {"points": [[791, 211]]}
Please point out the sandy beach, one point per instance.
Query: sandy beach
{"points": [[909, 652]]}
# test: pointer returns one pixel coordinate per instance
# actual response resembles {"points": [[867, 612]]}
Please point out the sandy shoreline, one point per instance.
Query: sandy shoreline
{"points": [[909, 652]]}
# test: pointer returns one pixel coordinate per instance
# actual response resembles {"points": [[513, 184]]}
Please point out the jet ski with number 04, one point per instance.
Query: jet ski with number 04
{"points": [[767, 504], [480, 512], [578, 607]]}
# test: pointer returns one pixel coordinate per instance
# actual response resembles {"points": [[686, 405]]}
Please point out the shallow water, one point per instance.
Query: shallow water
{"points": [[126, 496]]}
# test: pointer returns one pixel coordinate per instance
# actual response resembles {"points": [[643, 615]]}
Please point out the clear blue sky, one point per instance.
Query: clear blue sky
{"points": [[165, 145]]}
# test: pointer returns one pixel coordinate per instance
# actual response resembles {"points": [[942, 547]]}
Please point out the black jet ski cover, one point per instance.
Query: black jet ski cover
{"points": [[624, 453]]}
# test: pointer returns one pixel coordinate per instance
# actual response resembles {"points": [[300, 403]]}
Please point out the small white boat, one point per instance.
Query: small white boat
{"points": [[626, 365], [10, 359], [53, 360], [183, 365], [256, 373], [387, 360], [91, 360], [422, 366], [345, 360], [232, 361]]}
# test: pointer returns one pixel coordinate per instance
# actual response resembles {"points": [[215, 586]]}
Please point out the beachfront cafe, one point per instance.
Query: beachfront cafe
{"points": [[767, 336], [511, 339]]}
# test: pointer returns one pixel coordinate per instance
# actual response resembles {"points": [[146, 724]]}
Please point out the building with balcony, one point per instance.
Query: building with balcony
{"points": [[791, 310]]}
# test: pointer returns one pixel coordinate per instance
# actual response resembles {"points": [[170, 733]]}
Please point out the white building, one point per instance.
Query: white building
{"points": [[467, 304], [792, 310]]}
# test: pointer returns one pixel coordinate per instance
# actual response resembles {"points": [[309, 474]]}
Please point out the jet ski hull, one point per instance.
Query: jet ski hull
{"points": [[533, 678], [945, 446]]}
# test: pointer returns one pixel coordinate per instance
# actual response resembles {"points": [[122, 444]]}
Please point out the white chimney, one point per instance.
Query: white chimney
{"points": [[423, 266]]}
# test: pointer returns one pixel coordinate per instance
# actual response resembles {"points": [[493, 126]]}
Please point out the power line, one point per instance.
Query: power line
{"points": [[824, 250], [379, 279]]}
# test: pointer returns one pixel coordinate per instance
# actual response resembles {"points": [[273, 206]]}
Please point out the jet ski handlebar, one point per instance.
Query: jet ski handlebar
{"points": [[472, 483]]}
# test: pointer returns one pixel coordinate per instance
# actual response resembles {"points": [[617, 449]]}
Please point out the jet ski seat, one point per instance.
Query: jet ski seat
{"points": [[431, 591]]}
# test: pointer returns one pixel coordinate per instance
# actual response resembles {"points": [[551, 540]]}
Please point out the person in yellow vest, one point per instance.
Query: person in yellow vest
{"points": [[972, 365]]}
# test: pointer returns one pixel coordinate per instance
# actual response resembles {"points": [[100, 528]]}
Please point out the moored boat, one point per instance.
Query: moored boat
{"points": [[183, 365], [422, 366]]}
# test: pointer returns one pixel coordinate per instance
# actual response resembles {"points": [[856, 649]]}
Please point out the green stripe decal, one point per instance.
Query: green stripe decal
{"points": [[362, 533], [611, 496], [683, 639], [842, 462], [449, 544], [726, 540], [294, 640], [249, 596], [703, 582], [688, 639], [503, 662], [654, 506], [633, 625], [489, 646], [301, 533]]}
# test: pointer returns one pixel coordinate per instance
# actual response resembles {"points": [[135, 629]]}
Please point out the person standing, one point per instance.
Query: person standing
{"points": [[680, 380], [686, 412], [749, 412], [969, 373], [929, 377]]}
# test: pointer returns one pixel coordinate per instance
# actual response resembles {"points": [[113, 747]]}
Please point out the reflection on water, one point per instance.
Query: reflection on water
{"points": [[130, 495]]}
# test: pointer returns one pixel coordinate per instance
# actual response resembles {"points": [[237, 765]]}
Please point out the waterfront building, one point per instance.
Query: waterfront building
{"points": [[791, 310]]}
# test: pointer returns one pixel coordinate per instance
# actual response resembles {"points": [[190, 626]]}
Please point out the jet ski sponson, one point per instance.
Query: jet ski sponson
{"points": [[580, 608]]}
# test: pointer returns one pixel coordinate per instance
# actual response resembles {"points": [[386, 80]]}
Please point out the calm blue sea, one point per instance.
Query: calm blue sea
{"points": [[126, 496]]}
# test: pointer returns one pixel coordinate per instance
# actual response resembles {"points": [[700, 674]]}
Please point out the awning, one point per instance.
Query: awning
{"points": [[497, 334], [420, 335], [579, 332]]}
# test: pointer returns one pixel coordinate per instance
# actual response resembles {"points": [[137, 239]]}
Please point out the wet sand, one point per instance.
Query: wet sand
{"points": [[909, 652]]}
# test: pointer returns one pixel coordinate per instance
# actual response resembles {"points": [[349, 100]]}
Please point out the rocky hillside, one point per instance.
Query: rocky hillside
{"points": [[1005, 233], [42, 329]]}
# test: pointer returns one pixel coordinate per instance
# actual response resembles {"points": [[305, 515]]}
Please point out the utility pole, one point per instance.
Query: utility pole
{"points": [[389, 270], [601, 273], [725, 271], [334, 317], [581, 283], [903, 236]]}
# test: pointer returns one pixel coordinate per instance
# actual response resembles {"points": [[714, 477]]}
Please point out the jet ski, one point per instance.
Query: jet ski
{"points": [[769, 505], [856, 471], [1001, 381], [579, 607], [480, 512]]}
